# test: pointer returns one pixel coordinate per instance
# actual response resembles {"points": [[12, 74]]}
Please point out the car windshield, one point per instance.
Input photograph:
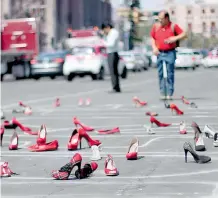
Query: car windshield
{"points": [[82, 50], [51, 55]]}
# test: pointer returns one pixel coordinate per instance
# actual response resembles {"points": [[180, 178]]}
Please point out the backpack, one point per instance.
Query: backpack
{"points": [[173, 30]]}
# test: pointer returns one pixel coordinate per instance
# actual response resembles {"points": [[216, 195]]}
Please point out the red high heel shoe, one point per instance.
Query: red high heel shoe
{"points": [[139, 103], [158, 123], [173, 107], [74, 140], [41, 140], [50, 146], [77, 122], [151, 113], [64, 172], [5, 171], [23, 128], [22, 104], [132, 153], [2, 134], [57, 102], [86, 171], [90, 141], [108, 131], [14, 142], [9, 125], [185, 101], [110, 168]]}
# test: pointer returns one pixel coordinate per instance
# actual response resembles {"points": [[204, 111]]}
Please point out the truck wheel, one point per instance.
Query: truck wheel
{"points": [[70, 77], [18, 71]]}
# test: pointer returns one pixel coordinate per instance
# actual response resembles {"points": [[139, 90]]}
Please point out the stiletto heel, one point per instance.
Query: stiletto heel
{"points": [[158, 123], [186, 152], [139, 103], [73, 142], [198, 138], [41, 140], [14, 142], [198, 158], [64, 172], [78, 123], [91, 142], [2, 134], [173, 107]]}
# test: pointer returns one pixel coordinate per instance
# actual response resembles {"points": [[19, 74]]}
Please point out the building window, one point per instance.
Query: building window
{"points": [[204, 26], [203, 11], [189, 12], [189, 27], [212, 10], [213, 28]]}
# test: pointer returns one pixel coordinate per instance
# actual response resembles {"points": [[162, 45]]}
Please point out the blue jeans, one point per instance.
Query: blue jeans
{"points": [[169, 57]]}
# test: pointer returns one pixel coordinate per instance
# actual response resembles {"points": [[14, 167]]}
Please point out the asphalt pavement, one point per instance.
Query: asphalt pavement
{"points": [[161, 171]]}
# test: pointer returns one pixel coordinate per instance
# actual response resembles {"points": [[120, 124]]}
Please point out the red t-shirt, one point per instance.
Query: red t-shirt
{"points": [[160, 33]]}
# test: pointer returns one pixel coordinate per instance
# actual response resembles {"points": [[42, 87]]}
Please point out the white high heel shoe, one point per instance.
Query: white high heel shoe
{"points": [[182, 128], [2, 115], [95, 153], [209, 131], [149, 130], [215, 140]]}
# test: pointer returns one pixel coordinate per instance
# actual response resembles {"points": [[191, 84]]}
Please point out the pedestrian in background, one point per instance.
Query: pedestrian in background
{"points": [[111, 36], [165, 37]]}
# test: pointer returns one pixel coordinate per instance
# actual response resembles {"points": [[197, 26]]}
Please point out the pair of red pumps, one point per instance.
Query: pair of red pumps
{"points": [[76, 139], [83, 171], [41, 144]]}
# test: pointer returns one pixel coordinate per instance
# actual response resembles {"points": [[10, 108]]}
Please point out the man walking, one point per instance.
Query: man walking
{"points": [[112, 44], [165, 36]]}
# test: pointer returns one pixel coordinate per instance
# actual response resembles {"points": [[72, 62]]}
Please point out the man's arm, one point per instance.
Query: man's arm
{"points": [[111, 39], [153, 43], [180, 33]]}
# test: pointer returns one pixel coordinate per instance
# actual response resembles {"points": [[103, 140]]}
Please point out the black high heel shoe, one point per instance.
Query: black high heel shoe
{"points": [[200, 159], [166, 104], [198, 138]]}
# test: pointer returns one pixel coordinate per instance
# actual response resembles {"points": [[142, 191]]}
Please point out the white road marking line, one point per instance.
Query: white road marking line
{"points": [[44, 99], [177, 135], [149, 142], [129, 177], [24, 145]]}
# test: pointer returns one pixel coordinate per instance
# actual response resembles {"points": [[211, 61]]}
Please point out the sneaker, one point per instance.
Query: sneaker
{"points": [[162, 97], [169, 97]]}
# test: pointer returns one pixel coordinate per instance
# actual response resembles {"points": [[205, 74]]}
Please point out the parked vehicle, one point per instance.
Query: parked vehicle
{"points": [[211, 60], [89, 60], [130, 60], [141, 60], [185, 59], [19, 43], [48, 64]]}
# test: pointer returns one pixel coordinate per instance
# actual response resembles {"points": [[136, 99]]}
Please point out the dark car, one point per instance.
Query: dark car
{"points": [[48, 64]]}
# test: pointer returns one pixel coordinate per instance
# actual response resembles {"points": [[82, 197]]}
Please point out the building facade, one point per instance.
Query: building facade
{"points": [[56, 16], [198, 17]]}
